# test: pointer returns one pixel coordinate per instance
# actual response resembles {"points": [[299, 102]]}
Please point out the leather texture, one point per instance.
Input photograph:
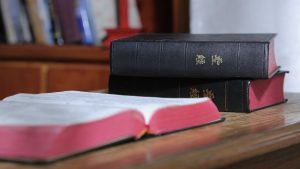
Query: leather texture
{"points": [[192, 56], [228, 95]]}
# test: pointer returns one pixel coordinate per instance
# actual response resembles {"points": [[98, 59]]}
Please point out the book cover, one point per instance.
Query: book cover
{"points": [[49, 126], [232, 95], [195, 56]]}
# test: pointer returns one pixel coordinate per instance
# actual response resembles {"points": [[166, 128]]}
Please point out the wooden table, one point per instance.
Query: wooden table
{"points": [[269, 138]]}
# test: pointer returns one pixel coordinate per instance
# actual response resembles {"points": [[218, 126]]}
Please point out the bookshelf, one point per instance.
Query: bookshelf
{"points": [[35, 68]]}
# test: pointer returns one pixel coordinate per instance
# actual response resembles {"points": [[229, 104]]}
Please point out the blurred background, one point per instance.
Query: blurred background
{"points": [[255, 16], [56, 45]]}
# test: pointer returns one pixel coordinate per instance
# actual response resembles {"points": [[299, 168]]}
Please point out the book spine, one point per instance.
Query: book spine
{"points": [[56, 27], [2, 27], [35, 20], [44, 13], [24, 21], [14, 7], [92, 19], [66, 12], [190, 59], [11, 35], [228, 95], [84, 23], [30, 25]]}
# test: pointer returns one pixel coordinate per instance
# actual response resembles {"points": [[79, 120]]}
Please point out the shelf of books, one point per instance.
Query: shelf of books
{"points": [[86, 22], [59, 22]]}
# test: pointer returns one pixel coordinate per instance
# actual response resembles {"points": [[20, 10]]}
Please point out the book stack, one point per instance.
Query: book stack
{"points": [[237, 71]]}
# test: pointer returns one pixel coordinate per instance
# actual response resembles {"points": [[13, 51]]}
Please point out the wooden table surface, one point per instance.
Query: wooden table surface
{"points": [[269, 138]]}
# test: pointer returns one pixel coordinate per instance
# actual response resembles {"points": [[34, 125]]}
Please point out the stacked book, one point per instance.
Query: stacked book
{"points": [[237, 71]]}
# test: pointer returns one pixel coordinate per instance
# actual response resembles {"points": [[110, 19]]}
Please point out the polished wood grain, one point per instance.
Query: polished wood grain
{"points": [[77, 53], [268, 138]]}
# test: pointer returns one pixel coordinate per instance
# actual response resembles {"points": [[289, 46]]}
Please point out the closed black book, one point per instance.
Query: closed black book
{"points": [[235, 95], [196, 56]]}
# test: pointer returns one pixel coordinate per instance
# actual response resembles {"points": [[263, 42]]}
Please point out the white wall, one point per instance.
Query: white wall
{"points": [[255, 16]]}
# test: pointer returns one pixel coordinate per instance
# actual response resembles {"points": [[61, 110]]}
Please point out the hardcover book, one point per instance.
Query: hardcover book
{"points": [[15, 22], [56, 30], [40, 21], [2, 28], [66, 14], [233, 95], [195, 56], [86, 23], [45, 127], [24, 21]]}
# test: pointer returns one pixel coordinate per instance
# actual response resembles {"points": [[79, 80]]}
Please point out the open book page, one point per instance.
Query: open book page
{"points": [[146, 105], [31, 114]]}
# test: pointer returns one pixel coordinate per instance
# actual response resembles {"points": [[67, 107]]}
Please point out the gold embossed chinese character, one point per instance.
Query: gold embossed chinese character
{"points": [[200, 60], [208, 93], [215, 59], [194, 93]]}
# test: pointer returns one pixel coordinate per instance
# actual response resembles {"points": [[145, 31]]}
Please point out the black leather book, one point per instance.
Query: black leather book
{"points": [[196, 56], [235, 95]]}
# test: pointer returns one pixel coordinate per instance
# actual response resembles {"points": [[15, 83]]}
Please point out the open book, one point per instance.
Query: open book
{"points": [[45, 127]]}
